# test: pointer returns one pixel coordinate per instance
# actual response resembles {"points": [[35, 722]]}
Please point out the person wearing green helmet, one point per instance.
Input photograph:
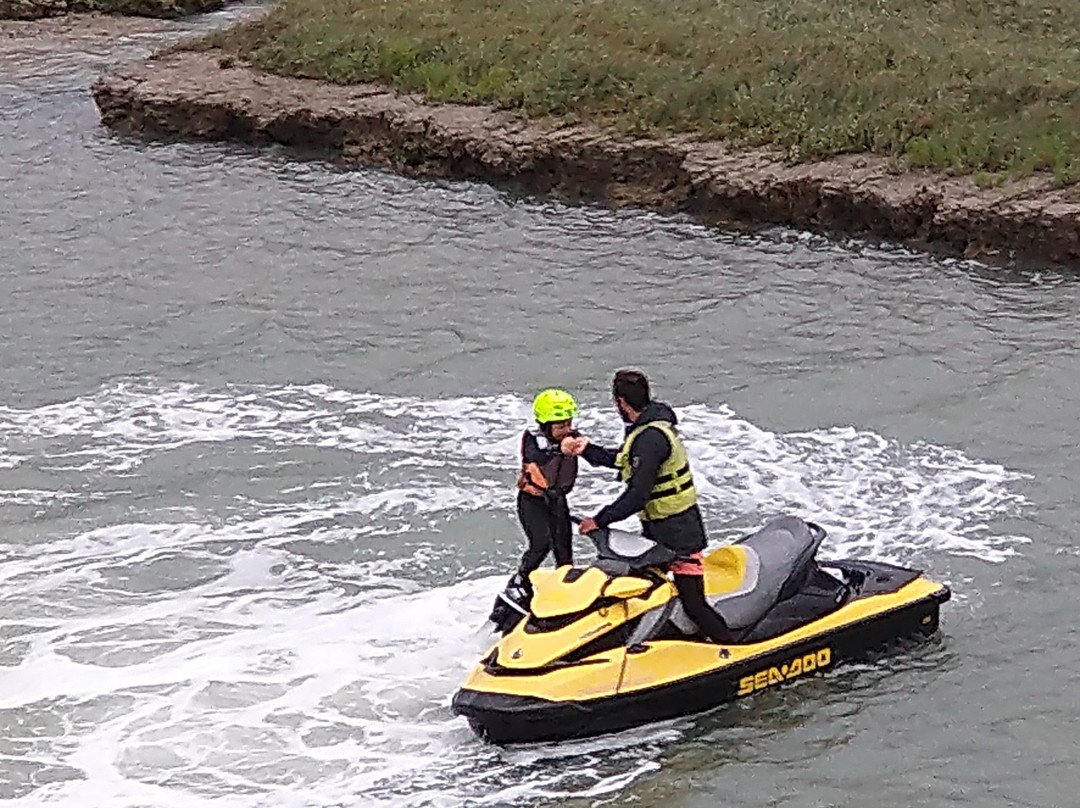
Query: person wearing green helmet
{"points": [[549, 466], [547, 476]]}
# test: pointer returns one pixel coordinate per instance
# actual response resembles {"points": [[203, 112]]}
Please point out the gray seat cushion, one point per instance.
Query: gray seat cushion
{"points": [[778, 547], [772, 555]]}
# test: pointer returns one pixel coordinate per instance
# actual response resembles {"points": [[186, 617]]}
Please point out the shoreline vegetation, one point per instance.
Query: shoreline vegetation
{"points": [[952, 125], [982, 87], [209, 96], [25, 10]]}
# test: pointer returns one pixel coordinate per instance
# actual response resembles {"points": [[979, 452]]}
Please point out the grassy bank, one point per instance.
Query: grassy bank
{"points": [[160, 9], [989, 86]]}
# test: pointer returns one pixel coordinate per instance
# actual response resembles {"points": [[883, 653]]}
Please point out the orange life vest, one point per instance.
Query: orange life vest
{"points": [[558, 472]]}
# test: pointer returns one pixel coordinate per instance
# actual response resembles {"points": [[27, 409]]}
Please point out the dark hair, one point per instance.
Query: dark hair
{"points": [[632, 387]]}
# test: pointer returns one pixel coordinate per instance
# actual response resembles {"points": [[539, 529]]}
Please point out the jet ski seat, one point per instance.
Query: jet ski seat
{"points": [[774, 555], [732, 575], [743, 581]]}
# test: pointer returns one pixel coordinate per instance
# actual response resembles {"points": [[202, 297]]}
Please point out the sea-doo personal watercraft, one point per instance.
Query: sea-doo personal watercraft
{"points": [[608, 647]]}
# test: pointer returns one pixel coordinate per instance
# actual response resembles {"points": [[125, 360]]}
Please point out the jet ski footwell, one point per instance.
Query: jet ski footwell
{"points": [[620, 687]]}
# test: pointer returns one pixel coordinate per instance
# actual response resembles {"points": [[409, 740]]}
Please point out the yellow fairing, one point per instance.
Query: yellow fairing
{"points": [[522, 650], [626, 586], [663, 661], [551, 596], [580, 682]]}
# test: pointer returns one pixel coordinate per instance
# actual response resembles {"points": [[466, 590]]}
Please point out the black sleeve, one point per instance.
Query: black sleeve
{"points": [[648, 452], [599, 456], [531, 451]]}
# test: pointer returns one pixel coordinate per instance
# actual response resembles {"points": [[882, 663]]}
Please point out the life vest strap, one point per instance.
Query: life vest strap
{"points": [[670, 492], [667, 478]]}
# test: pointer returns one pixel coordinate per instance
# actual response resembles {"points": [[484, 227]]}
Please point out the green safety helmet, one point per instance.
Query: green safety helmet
{"points": [[554, 405]]}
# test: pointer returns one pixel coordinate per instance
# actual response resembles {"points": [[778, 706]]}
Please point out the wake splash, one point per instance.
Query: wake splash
{"points": [[447, 456], [297, 642]]}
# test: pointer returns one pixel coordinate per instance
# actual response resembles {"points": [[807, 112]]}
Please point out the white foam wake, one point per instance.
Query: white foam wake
{"points": [[298, 646], [422, 456]]}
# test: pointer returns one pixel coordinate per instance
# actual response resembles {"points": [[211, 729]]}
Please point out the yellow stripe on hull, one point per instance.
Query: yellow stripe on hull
{"points": [[664, 662]]}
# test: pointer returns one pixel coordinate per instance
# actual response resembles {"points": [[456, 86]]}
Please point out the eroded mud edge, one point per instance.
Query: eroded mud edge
{"points": [[201, 95]]}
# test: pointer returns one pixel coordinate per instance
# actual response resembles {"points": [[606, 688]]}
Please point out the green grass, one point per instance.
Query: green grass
{"points": [[988, 86]]}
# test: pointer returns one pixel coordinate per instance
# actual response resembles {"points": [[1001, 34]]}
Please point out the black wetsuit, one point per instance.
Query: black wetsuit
{"points": [[684, 532], [544, 511]]}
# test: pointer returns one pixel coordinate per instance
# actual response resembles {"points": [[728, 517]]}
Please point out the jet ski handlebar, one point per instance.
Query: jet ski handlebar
{"points": [[635, 550]]}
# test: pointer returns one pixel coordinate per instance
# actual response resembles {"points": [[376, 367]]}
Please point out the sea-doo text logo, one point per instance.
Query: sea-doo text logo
{"points": [[807, 663]]}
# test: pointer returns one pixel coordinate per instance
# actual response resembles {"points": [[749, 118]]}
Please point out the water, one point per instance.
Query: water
{"points": [[258, 423]]}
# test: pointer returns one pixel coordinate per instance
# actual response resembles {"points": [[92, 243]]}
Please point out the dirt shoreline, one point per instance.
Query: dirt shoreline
{"points": [[202, 95], [74, 30], [27, 10]]}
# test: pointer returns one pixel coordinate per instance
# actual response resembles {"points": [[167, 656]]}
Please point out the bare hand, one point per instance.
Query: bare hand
{"points": [[573, 446], [587, 526]]}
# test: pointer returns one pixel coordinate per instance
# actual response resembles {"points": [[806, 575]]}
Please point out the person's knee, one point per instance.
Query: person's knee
{"points": [[697, 609]]}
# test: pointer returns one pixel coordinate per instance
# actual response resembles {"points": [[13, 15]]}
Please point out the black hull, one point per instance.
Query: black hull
{"points": [[505, 719]]}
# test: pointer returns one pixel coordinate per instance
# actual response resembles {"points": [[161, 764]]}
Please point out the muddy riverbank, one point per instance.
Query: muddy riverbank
{"points": [[75, 31], [205, 95], [160, 9]]}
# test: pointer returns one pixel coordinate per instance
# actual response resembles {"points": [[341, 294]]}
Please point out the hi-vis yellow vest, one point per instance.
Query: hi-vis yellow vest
{"points": [[673, 492]]}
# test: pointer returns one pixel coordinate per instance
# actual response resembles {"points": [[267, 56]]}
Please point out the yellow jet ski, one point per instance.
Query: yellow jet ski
{"points": [[609, 647]]}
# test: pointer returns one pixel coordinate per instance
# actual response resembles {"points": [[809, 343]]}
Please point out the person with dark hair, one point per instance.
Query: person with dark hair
{"points": [[660, 488]]}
